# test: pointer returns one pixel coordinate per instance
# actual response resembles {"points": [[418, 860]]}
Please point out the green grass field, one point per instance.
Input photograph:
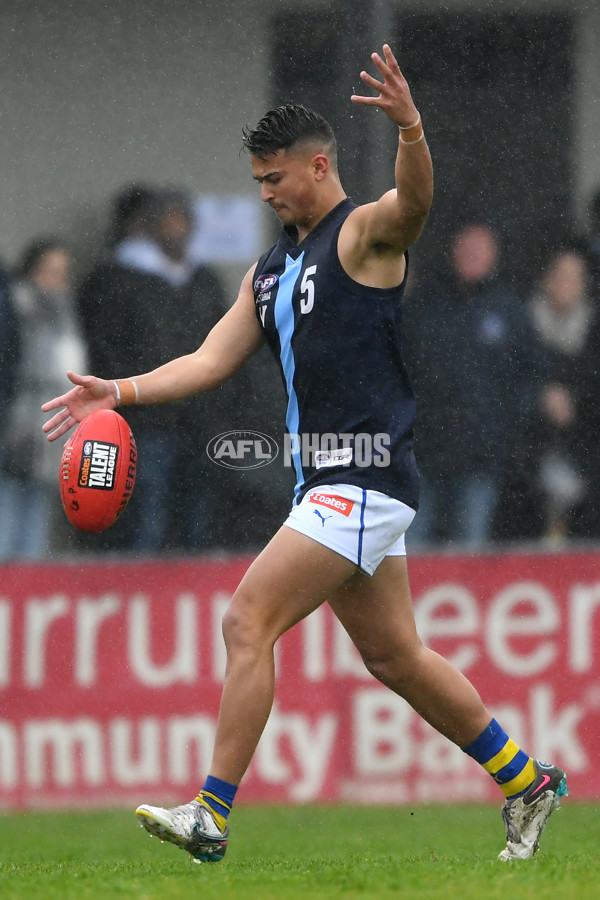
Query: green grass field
{"points": [[312, 852]]}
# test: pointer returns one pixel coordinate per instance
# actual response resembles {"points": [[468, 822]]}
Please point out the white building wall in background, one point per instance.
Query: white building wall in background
{"points": [[96, 96]]}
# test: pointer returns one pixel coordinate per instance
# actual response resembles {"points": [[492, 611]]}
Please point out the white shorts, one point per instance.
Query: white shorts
{"points": [[361, 525]]}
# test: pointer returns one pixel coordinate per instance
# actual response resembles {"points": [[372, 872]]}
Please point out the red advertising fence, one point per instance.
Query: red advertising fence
{"points": [[110, 678]]}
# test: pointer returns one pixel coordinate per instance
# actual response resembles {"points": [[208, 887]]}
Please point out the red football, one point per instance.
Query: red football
{"points": [[97, 471]]}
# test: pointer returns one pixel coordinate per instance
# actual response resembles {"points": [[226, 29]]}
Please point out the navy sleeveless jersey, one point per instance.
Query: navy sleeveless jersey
{"points": [[350, 406]]}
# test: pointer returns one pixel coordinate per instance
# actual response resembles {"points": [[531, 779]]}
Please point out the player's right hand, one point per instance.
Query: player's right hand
{"points": [[89, 394], [394, 93]]}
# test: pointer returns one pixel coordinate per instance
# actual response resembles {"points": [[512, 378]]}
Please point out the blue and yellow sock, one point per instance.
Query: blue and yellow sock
{"points": [[508, 765], [218, 796]]}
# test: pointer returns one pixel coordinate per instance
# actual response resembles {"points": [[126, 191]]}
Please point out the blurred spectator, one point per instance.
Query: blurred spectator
{"points": [[51, 343], [468, 347], [563, 449], [147, 304], [202, 491], [130, 215], [9, 341], [9, 358]]}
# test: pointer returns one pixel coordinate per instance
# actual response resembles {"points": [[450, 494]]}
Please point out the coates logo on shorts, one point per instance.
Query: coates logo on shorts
{"points": [[242, 449], [332, 501]]}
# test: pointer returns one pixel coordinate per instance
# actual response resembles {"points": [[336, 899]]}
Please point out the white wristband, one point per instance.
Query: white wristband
{"points": [[118, 392], [408, 127], [136, 389], [412, 134]]}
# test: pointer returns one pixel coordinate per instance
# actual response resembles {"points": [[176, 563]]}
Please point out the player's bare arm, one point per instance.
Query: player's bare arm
{"points": [[378, 233], [233, 340]]}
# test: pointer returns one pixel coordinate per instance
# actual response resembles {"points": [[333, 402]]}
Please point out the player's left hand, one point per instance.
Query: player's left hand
{"points": [[394, 94], [89, 394]]}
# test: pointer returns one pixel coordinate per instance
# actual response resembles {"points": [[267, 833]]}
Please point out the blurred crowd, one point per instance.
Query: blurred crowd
{"points": [[506, 374], [144, 300], [507, 377]]}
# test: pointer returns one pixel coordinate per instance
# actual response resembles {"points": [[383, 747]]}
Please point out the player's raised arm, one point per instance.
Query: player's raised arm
{"points": [[397, 219], [232, 341]]}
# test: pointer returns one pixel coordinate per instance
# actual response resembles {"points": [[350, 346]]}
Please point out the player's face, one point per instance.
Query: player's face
{"points": [[287, 180]]}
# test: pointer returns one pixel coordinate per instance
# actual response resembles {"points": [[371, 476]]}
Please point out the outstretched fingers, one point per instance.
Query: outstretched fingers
{"points": [[389, 70], [59, 425], [390, 60], [393, 94], [55, 403], [373, 83], [88, 394]]}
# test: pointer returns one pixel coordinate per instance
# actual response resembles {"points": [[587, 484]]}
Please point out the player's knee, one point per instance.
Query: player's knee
{"points": [[236, 629], [244, 629], [381, 667], [392, 665]]}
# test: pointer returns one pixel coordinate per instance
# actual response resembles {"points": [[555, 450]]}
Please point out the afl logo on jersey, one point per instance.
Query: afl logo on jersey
{"points": [[265, 283]]}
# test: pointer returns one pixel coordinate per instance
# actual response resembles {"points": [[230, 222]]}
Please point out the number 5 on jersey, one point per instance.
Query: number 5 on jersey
{"points": [[307, 290]]}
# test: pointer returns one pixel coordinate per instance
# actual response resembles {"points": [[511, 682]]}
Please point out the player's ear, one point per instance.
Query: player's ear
{"points": [[321, 165]]}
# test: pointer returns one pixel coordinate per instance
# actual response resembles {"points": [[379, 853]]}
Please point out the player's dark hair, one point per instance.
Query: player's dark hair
{"points": [[285, 126]]}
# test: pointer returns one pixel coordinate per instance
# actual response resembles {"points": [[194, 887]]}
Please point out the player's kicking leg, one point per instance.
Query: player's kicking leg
{"points": [[377, 614], [291, 577]]}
